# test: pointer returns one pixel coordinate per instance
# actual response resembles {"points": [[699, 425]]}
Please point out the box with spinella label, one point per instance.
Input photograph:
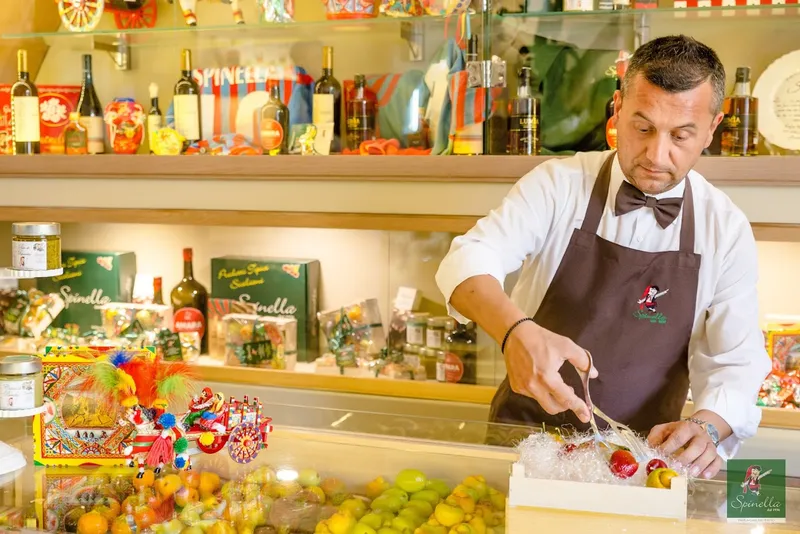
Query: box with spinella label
{"points": [[90, 280], [278, 287]]}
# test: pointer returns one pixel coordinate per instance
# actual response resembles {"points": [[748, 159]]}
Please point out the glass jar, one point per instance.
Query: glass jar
{"points": [[415, 328], [21, 382], [35, 246], [436, 331], [458, 362]]}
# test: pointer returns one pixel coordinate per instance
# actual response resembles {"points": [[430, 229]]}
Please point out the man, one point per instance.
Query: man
{"points": [[634, 268]]}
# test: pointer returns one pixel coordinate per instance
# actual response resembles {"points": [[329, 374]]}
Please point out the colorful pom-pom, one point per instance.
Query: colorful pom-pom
{"points": [[130, 402], [180, 462], [208, 416], [206, 439], [167, 421], [181, 444]]}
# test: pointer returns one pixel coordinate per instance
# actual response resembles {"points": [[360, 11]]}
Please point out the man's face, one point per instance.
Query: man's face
{"points": [[661, 135]]}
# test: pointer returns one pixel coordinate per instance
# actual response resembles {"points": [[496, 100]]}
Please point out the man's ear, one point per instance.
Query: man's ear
{"points": [[714, 125]]}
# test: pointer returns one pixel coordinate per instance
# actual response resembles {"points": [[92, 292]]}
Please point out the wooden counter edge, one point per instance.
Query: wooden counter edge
{"points": [[758, 171], [409, 389]]}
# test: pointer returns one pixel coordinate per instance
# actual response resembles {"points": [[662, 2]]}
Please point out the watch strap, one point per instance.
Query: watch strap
{"points": [[704, 426]]}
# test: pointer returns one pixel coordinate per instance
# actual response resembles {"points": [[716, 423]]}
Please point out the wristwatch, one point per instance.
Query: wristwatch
{"points": [[710, 429]]}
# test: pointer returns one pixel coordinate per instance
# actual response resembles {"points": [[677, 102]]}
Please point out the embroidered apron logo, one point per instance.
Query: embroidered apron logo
{"points": [[648, 306]]}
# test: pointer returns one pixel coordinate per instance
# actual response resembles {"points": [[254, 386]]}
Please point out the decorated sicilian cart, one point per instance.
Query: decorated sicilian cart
{"points": [[124, 407], [84, 15]]}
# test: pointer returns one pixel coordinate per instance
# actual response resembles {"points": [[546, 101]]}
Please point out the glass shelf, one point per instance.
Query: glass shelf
{"points": [[667, 13], [213, 35]]}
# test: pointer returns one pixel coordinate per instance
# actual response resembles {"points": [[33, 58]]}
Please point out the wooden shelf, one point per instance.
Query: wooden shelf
{"points": [[402, 193], [759, 171]]}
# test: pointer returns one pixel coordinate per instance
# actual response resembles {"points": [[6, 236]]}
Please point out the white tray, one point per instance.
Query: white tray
{"points": [[525, 495]]}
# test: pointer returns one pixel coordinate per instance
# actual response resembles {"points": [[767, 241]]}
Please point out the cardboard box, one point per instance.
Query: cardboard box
{"points": [[90, 280], [278, 287], [55, 104]]}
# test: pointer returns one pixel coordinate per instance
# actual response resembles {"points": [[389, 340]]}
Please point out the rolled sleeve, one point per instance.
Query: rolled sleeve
{"points": [[499, 243], [727, 371]]}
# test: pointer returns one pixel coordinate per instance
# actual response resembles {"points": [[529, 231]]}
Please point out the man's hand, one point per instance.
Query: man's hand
{"points": [[533, 357], [694, 446]]}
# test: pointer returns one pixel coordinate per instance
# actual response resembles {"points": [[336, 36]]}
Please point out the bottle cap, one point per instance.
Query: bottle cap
{"points": [[742, 74], [360, 80]]}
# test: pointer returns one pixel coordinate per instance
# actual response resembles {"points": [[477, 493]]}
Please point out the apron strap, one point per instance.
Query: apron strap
{"points": [[597, 202], [687, 219]]}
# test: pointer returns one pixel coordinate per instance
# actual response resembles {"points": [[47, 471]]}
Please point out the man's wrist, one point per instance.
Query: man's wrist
{"points": [[510, 330]]}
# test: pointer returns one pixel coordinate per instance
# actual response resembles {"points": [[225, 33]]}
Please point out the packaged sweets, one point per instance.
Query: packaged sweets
{"points": [[260, 341], [353, 334], [120, 318]]}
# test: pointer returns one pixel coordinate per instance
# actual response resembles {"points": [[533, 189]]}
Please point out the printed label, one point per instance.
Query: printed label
{"points": [[189, 320], [415, 334], [29, 255], [94, 132], [271, 134], [154, 124], [187, 116], [433, 338], [452, 368], [25, 114], [322, 110], [17, 394]]}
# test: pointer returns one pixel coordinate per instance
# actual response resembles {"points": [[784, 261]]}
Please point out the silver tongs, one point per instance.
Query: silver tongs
{"points": [[625, 435]]}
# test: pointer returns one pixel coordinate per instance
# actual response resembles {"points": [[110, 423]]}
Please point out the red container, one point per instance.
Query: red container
{"points": [[55, 104], [125, 121], [351, 9]]}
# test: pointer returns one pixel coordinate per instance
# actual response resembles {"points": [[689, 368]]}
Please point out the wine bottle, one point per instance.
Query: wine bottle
{"points": [[24, 110], [190, 304], [327, 100], [186, 102], [274, 123], [90, 109], [155, 119], [158, 294]]}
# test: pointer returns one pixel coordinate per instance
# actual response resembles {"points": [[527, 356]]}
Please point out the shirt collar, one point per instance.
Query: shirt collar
{"points": [[617, 177]]}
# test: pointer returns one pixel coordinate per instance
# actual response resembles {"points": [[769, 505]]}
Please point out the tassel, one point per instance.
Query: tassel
{"points": [[161, 452]]}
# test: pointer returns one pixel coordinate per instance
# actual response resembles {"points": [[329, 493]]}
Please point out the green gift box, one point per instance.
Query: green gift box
{"points": [[90, 280], [277, 287]]}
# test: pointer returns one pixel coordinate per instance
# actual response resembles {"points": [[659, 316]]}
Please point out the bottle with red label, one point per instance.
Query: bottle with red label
{"points": [[458, 362], [190, 304]]}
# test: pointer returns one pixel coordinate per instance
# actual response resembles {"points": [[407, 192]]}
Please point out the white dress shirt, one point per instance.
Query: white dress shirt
{"points": [[532, 228]]}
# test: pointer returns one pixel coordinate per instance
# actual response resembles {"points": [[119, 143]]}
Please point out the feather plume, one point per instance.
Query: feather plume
{"points": [[143, 375], [101, 382], [174, 381], [119, 357]]}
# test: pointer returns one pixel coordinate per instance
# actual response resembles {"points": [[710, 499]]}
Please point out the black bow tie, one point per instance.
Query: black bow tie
{"points": [[629, 199]]}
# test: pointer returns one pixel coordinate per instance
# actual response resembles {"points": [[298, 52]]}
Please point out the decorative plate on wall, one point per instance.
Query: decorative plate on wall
{"points": [[778, 93]]}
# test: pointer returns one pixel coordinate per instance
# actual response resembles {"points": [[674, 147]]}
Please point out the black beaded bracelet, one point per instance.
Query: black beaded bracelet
{"points": [[513, 326]]}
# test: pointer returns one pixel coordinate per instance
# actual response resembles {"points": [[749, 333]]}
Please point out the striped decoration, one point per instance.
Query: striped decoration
{"points": [[468, 102], [222, 89]]}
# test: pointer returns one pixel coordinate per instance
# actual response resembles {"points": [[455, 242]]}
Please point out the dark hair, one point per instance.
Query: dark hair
{"points": [[678, 63]]}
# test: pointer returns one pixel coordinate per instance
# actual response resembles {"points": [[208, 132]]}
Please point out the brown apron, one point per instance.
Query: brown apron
{"points": [[633, 311]]}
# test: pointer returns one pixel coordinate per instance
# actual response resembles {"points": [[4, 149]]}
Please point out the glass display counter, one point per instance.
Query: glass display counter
{"points": [[343, 454]]}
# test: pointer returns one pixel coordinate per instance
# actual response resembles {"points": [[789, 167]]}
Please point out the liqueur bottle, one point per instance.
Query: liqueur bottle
{"points": [[186, 102], [274, 123], [327, 100], [740, 124], [155, 120], [523, 132], [420, 137], [90, 109], [360, 115], [76, 138], [190, 304], [24, 110]]}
